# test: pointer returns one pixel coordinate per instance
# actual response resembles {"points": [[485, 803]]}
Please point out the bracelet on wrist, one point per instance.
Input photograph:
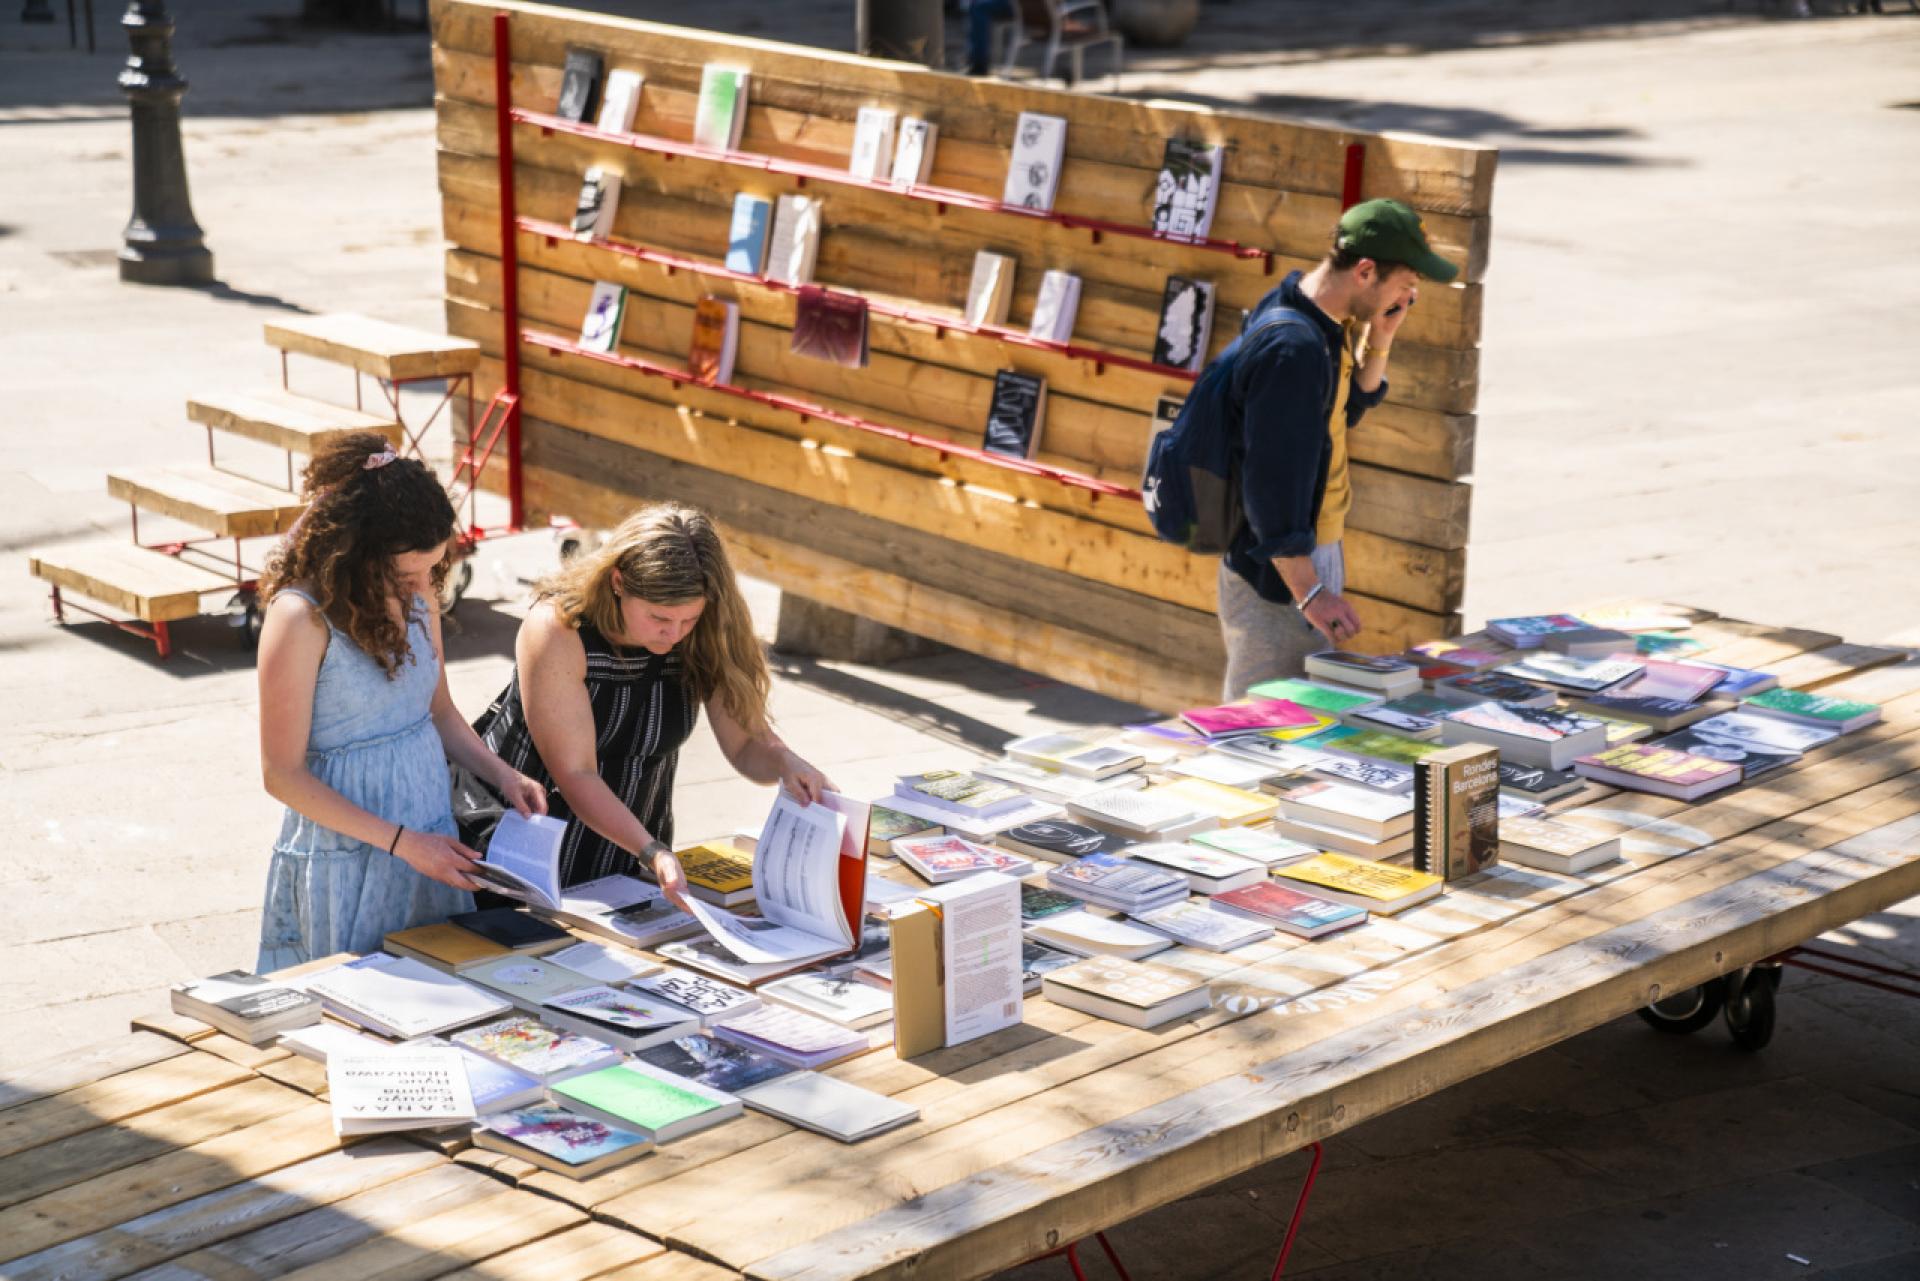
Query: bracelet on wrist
{"points": [[1308, 599], [399, 831]]}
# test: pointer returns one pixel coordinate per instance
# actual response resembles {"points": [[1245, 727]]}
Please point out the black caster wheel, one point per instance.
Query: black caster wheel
{"points": [[570, 546], [244, 614], [1686, 1012], [459, 579], [1750, 1011]]}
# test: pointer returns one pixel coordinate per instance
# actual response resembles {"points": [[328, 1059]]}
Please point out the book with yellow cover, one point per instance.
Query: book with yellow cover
{"points": [[1232, 805], [1380, 888], [447, 948], [718, 873]]}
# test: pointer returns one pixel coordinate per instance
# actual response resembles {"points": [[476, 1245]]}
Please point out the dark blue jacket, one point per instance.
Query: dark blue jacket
{"points": [[1280, 400]]}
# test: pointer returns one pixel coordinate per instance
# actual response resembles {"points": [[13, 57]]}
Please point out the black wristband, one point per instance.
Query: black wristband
{"points": [[399, 831]]}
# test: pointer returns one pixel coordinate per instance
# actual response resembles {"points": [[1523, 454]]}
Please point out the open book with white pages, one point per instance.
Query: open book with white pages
{"points": [[809, 881]]}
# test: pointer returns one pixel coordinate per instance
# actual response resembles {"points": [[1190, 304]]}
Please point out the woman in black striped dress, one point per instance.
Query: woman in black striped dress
{"points": [[623, 648]]}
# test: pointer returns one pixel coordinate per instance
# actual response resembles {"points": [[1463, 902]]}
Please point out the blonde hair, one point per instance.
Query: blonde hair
{"points": [[667, 554]]}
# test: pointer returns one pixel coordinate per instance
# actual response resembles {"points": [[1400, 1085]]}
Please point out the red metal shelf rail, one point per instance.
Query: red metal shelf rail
{"points": [[808, 410], [554, 232], [940, 197]]}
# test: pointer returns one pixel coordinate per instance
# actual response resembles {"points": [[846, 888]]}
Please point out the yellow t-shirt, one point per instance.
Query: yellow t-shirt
{"points": [[1338, 499]]}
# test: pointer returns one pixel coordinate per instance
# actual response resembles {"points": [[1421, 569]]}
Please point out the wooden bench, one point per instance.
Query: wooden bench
{"points": [[377, 348], [150, 585]]}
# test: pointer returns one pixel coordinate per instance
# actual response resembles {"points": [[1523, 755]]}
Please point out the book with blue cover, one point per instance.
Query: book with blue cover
{"points": [[747, 236]]}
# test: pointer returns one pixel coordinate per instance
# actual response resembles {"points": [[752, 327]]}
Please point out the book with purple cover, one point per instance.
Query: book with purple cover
{"points": [[831, 327]]}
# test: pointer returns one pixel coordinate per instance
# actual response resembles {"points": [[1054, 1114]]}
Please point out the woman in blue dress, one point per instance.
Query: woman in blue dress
{"points": [[356, 724]]}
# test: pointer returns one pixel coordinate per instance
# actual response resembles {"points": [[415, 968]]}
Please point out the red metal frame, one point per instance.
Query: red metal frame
{"points": [[808, 410], [1356, 169], [940, 197], [553, 233], [509, 258], [155, 632], [1841, 966]]}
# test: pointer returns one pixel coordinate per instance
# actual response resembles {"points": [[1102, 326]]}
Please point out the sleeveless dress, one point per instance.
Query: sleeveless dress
{"points": [[373, 741], [644, 710]]}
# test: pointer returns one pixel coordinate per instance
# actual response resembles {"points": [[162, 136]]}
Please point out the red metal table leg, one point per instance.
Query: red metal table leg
{"points": [[1299, 1212]]}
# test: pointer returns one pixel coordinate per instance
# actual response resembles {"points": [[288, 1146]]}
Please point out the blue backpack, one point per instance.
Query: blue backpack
{"points": [[1191, 485]]}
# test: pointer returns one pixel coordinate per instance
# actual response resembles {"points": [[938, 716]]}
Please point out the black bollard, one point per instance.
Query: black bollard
{"points": [[164, 245]]}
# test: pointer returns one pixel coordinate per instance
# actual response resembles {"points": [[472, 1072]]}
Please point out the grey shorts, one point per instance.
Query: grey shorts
{"points": [[1266, 641]]}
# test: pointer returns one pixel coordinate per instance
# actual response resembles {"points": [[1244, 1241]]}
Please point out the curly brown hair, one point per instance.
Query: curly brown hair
{"points": [[358, 519]]}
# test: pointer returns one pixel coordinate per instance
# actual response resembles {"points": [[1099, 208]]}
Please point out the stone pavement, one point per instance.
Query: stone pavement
{"points": [[1698, 384]]}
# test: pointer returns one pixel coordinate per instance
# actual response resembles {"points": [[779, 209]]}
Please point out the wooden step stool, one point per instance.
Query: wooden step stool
{"points": [[152, 586], [223, 504], [296, 424], [392, 355]]}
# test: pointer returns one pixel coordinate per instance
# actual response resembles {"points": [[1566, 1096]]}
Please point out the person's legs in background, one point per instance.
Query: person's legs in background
{"points": [[981, 15], [1266, 641]]}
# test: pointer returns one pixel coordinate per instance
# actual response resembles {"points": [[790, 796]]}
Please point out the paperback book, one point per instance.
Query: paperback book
{"points": [[1186, 324], [1643, 767], [535, 1049], [990, 292], [625, 1020], [1016, 414], [1766, 731], [1056, 307], [246, 1006], [1188, 189], [1555, 846], [1033, 172], [708, 997], [1820, 710], [794, 245], [1117, 883], [873, 130], [1198, 925], [1059, 841], [637, 1096], [830, 1106], [558, 1139], [1267, 848], [1075, 756], [600, 331], [716, 341], [1291, 911], [838, 998], [1206, 871], [1393, 677], [1544, 736], [831, 327], [913, 152], [1456, 797], [1315, 696], [400, 998], [748, 233], [620, 102], [1129, 992], [1579, 675], [714, 1063], [1494, 687], [399, 1088], [599, 200], [1249, 715], [802, 1040], [1084, 934], [579, 85], [948, 858], [721, 113], [1529, 631], [1380, 888]]}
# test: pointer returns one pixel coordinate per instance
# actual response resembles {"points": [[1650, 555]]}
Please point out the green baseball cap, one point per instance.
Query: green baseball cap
{"points": [[1388, 231]]}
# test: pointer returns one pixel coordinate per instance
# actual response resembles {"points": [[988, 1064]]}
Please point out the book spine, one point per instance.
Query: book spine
{"points": [[1425, 820]]}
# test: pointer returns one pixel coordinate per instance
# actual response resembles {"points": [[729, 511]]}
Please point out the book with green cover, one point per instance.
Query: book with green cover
{"points": [[722, 108], [1804, 708], [643, 1098], [1319, 698], [1385, 747]]}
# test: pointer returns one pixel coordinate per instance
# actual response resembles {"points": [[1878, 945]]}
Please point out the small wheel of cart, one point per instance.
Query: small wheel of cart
{"points": [[244, 613], [1750, 1006], [1686, 1012], [459, 579], [572, 543]]}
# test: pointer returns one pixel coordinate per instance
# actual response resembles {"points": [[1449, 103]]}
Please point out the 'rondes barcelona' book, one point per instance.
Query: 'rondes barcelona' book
{"points": [[1456, 796]]}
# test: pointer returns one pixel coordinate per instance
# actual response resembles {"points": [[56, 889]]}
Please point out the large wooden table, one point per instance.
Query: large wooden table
{"points": [[179, 1146]]}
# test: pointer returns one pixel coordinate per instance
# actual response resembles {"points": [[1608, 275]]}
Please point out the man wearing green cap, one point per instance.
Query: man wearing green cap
{"points": [[1310, 362]]}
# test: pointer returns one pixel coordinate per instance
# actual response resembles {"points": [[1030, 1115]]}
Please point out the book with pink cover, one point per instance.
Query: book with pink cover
{"points": [[1249, 716], [1680, 681]]}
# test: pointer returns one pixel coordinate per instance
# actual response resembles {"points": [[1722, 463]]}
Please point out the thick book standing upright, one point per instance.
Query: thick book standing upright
{"points": [[829, 326], [956, 963], [600, 331], [579, 85], [1456, 811], [1056, 307], [1033, 174], [1016, 415], [747, 235], [809, 880], [913, 156], [872, 142], [716, 339], [621, 101], [722, 110], [796, 240], [599, 200], [990, 292], [1186, 324]]}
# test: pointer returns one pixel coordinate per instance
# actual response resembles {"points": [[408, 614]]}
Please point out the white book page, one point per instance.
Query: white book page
{"points": [[529, 850], [980, 927]]}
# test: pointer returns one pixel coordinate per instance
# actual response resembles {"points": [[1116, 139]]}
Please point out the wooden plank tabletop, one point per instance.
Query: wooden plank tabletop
{"points": [[185, 1153], [375, 347]]}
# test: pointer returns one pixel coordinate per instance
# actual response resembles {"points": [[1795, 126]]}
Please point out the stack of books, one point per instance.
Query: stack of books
{"points": [[1129, 992], [1207, 871], [1554, 846], [1355, 820], [1196, 924], [1084, 934], [1545, 736], [1059, 841], [246, 1006], [399, 997], [948, 858], [1143, 816], [1300, 914], [1118, 883], [1379, 888], [1390, 677]]}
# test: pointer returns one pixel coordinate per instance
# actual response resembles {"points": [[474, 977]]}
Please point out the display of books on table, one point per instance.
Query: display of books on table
{"points": [[1129, 992], [559, 1139]]}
